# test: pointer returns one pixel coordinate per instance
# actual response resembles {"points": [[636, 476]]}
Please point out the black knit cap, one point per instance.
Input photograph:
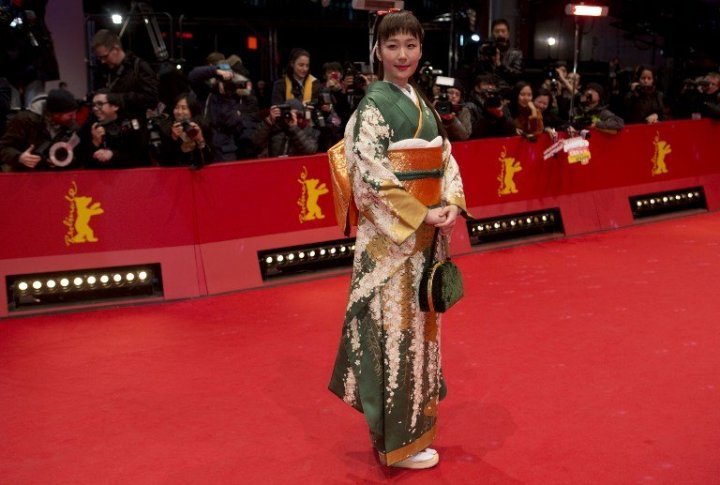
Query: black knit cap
{"points": [[60, 101], [597, 88]]}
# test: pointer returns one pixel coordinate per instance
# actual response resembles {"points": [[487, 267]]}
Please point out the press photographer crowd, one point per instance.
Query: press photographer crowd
{"points": [[218, 112]]}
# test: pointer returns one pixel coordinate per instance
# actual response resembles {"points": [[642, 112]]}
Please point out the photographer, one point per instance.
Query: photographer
{"points": [[117, 141], [455, 116], [28, 141], [711, 96], [183, 138], [497, 56], [644, 103], [592, 114], [354, 84], [231, 110], [547, 106], [489, 114], [286, 131], [326, 121]]}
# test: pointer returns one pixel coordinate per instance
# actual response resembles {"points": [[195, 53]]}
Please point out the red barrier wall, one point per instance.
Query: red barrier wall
{"points": [[205, 227]]}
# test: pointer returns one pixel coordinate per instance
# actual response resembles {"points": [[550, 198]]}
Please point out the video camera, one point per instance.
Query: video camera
{"points": [[490, 47]]}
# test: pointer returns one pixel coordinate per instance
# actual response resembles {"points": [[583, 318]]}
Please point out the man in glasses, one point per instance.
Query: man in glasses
{"points": [[125, 75], [116, 140]]}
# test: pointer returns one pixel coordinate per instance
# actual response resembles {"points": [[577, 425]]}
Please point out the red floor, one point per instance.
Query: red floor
{"points": [[591, 360]]}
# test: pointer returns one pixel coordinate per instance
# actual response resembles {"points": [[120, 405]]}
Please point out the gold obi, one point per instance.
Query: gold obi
{"points": [[419, 170]]}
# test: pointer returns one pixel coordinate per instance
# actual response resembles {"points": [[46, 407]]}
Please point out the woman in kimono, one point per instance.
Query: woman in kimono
{"points": [[405, 185]]}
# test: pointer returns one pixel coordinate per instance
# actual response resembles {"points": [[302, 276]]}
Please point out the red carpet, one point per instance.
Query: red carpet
{"points": [[591, 360]]}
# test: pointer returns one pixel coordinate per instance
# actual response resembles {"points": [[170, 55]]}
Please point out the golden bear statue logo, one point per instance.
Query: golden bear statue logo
{"points": [[508, 168], [78, 219], [308, 201], [662, 150]]}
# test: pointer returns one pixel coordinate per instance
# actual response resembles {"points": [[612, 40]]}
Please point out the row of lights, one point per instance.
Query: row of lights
{"points": [[309, 254], [513, 223], [668, 199], [656, 204], [64, 283]]}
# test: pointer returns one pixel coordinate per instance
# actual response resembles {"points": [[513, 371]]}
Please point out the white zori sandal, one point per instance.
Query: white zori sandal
{"points": [[426, 458]]}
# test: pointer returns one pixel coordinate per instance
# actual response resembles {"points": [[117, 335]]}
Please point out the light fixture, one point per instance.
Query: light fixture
{"points": [[582, 10], [475, 37], [307, 258], [515, 226], [80, 286], [116, 18], [551, 41], [650, 205]]}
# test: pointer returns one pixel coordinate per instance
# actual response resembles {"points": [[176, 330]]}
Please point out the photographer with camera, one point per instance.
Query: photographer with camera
{"points": [[43, 137], [644, 103], [183, 137], [326, 120], [497, 56], [489, 114], [117, 141], [287, 131], [230, 108], [590, 113], [454, 114]]}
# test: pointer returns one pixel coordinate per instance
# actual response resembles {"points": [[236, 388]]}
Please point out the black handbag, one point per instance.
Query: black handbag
{"points": [[441, 285]]}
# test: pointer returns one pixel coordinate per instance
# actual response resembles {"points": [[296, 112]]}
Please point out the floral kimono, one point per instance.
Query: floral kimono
{"points": [[388, 365]]}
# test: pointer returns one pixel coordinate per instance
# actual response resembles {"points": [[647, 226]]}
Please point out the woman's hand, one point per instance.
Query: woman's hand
{"points": [[435, 217], [176, 131], [450, 214], [653, 118]]}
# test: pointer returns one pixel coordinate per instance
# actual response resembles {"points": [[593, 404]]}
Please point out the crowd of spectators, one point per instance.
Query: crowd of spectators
{"points": [[218, 112]]}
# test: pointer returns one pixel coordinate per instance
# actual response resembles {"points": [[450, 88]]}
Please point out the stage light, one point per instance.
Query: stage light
{"points": [[116, 18], [663, 203], [142, 275], [515, 226], [178, 67], [581, 10], [80, 286], [475, 38], [311, 257], [551, 41]]}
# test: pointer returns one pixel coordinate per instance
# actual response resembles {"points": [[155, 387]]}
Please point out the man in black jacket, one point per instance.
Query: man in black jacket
{"points": [[126, 75], [28, 142]]}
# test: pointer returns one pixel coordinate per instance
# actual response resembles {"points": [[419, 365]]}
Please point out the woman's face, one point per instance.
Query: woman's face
{"points": [[455, 95], [646, 78], [400, 55], [182, 111], [525, 96], [542, 102], [301, 67]]}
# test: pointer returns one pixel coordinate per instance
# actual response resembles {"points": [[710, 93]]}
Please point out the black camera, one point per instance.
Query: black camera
{"points": [[113, 129], [359, 83], [443, 105], [285, 113], [190, 130], [491, 98]]}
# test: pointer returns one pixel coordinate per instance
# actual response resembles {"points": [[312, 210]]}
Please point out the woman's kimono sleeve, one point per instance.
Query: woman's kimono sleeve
{"points": [[379, 195], [452, 186]]}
